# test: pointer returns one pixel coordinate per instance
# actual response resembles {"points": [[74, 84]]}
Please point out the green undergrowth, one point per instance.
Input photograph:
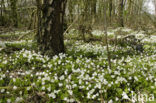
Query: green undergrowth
{"points": [[17, 35], [81, 75]]}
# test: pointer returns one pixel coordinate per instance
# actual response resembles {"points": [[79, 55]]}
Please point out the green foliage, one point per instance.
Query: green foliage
{"points": [[80, 75]]}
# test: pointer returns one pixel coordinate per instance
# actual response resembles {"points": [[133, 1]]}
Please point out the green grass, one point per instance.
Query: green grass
{"points": [[152, 101]]}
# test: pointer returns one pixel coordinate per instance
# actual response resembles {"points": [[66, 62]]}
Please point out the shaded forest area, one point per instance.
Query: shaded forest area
{"points": [[119, 13], [77, 51]]}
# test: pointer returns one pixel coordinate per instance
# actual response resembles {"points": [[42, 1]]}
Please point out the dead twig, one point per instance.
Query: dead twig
{"points": [[71, 25], [22, 36]]}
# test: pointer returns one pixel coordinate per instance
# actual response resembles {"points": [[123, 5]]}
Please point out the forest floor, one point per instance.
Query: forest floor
{"points": [[81, 75]]}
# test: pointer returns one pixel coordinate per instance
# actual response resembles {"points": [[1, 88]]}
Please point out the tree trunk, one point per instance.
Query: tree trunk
{"points": [[110, 11], [93, 11], [14, 15], [50, 38], [1, 11], [120, 13], [155, 6]]}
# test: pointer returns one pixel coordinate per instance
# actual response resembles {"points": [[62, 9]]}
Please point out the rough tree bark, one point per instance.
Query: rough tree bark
{"points": [[120, 13], [110, 11], [50, 36], [14, 16]]}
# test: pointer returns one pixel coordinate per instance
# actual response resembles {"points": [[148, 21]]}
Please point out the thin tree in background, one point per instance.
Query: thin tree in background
{"points": [[110, 11], [14, 16], [106, 36], [2, 6], [154, 1], [120, 13]]}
